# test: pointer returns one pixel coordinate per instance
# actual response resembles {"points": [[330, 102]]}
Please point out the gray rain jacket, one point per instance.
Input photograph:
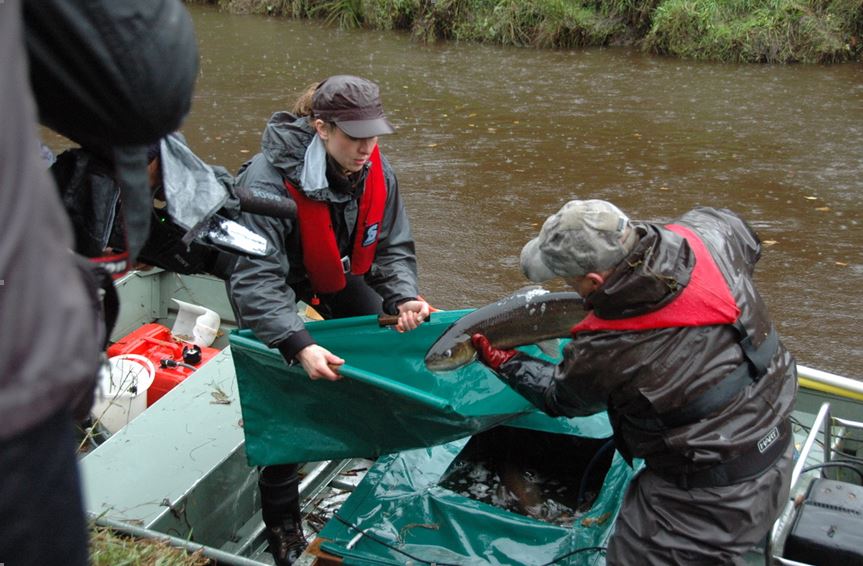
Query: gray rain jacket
{"points": [[49, 351], [264, 291], [637, 374], [90, 85]]}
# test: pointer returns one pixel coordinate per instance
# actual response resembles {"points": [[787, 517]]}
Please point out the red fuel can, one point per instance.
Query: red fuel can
{"points": [[154, 341]]}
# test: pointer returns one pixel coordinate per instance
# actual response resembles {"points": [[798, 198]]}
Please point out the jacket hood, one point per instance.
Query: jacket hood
{"points": [[284, 143], [655, 272], [290, 144]]}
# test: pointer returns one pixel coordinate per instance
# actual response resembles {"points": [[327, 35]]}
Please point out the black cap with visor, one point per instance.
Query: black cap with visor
{"points": [[353, 104]]}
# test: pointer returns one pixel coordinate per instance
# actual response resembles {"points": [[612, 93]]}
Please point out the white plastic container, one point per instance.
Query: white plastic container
{"points": [[122, 393], [196, 324]]}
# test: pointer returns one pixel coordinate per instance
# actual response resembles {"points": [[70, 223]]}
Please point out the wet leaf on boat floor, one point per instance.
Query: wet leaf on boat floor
{"points": [[220, 397], [591, 521]]}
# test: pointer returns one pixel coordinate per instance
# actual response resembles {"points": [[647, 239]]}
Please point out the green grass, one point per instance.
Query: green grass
{"points": [[346, 14], [761, 31], [548, 24], [110, 549], [752, 31]]}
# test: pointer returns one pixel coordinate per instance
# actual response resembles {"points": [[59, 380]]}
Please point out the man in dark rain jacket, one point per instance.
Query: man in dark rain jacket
{"points": [[349, 252], [679, 348]]}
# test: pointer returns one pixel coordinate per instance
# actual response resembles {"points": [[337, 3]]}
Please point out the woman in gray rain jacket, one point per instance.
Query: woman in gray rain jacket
{"points": [[349, 252]]}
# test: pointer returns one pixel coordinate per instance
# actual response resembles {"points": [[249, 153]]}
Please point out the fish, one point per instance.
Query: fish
{"points": [[531, 315]]}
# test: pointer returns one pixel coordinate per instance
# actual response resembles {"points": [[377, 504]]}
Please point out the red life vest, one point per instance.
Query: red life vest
{"points": [[321, 256], [705, 301]]}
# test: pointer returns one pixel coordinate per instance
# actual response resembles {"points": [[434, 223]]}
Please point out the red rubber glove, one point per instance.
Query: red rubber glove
{"points": [[488, 354]]}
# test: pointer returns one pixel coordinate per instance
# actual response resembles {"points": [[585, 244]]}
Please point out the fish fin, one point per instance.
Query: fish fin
{"points": [[550, 347]]}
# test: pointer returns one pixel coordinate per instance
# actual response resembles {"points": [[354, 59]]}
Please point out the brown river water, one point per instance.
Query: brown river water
{"points": [[491, 140]]}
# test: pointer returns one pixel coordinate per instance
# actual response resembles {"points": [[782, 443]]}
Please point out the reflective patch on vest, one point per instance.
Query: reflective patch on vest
{"points": [[768, 439], [370, 236]]}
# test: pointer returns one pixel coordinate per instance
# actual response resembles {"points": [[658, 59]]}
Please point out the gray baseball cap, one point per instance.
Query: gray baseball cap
{"points": [[353, 104], [585, 236]]}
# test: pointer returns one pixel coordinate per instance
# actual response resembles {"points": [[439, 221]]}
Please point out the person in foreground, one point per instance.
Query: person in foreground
{"points": [[350, 251], [58, 59], [678, 347]]}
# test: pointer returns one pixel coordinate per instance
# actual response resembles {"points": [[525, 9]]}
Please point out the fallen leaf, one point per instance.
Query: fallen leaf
{"points": [[842, 263], [811, 198], [823, 209], [664, 189], [471, 115], [432, 145], [769, 242], [590, 521], [219, 397]]}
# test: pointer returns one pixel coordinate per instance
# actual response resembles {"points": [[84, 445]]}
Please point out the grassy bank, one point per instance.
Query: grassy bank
{"points": [[753, 31], [111, 549]]}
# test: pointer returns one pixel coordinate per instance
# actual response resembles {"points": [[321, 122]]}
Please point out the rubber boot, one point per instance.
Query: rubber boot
{"points": [[286, 541], [280, 507]]}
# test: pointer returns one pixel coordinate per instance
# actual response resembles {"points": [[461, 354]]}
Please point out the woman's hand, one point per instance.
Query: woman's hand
{"points": [[320, 363], [411, 314]]}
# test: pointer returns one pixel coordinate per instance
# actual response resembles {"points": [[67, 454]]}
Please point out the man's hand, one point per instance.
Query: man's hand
{"points": [[488, 354], [320, 363], [411, 314]]}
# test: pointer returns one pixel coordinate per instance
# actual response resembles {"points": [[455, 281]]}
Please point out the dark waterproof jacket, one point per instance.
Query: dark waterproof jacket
{"points": [[637, 373], [91, 195], [264, 291]]}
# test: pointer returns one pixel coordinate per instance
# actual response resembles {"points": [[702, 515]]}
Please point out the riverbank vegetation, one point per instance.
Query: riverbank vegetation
{"points": [[108, 548], [749, 31]]}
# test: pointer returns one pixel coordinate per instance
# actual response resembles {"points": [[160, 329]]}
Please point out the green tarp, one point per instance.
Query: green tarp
{"points": [[387, 402], [404, 511], [406, 517]]}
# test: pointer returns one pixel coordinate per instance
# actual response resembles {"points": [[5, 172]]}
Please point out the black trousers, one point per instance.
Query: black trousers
{"points": [[40, 497], [279, 484]]}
